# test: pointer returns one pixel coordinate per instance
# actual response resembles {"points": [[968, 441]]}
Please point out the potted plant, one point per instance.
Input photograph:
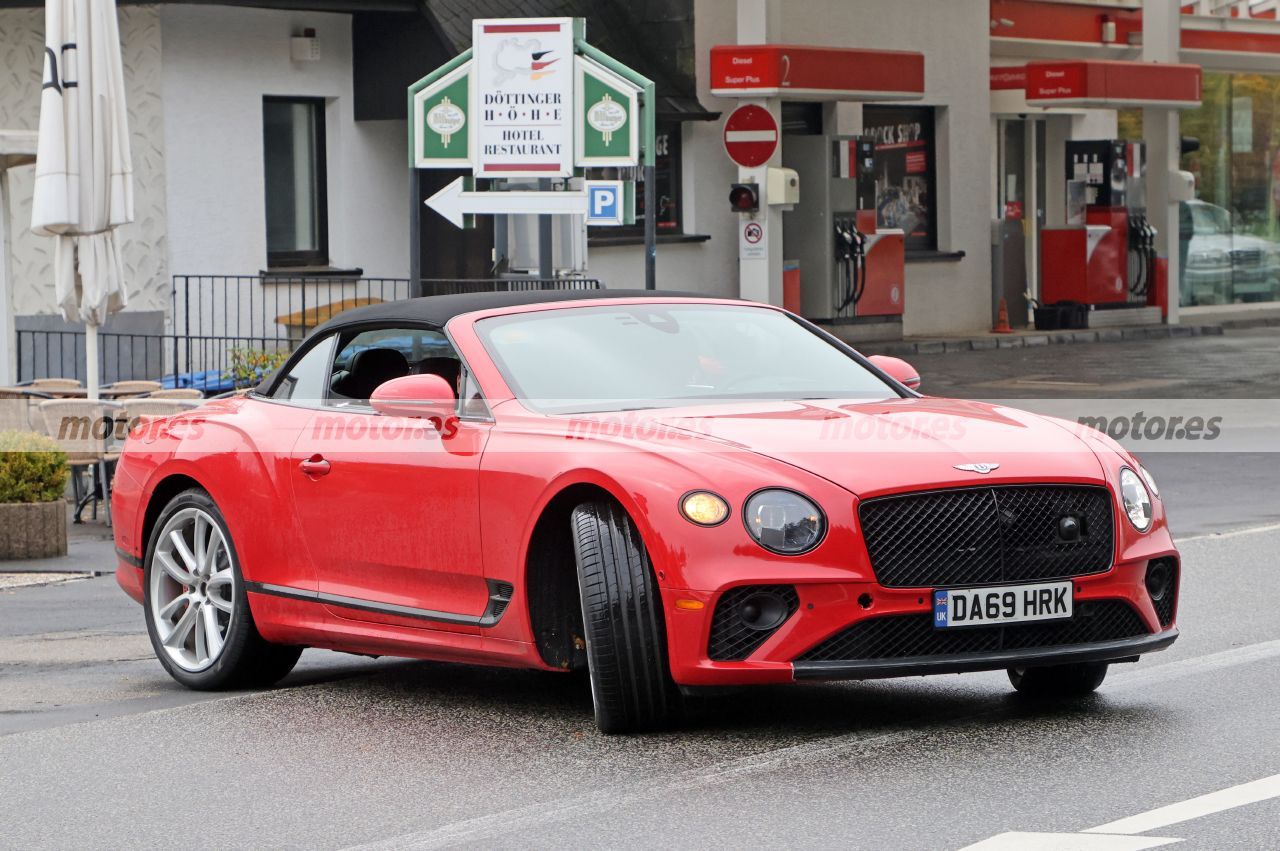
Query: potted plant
{"points": [[33, 513], [249, 366]]}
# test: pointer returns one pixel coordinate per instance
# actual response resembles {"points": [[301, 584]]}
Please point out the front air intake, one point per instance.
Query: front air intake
{"points": [[1162, 587], [746, 617]]}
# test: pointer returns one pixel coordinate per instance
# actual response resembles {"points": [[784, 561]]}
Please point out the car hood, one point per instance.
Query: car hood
{"points": [[898, 445]]}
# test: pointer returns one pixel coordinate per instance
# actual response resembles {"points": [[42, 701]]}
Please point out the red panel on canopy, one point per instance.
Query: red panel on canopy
{"points": [[802, 72], [1112, 84]]}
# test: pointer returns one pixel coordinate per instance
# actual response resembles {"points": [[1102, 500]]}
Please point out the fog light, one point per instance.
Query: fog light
{"points": [[762, 611], [1159, 579]]}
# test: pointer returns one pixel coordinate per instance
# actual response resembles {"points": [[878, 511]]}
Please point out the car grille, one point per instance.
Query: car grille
{"points": [[733, 640], [911, 636], [1246, 257], [981, 535]]}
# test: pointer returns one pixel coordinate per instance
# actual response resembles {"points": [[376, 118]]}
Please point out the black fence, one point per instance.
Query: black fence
{"points": [[214, 317]]}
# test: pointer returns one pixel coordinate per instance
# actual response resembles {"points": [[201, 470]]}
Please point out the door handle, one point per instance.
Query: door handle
{"points": [[314, 466]]}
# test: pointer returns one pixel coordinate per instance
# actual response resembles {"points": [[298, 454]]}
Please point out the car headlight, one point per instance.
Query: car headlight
{"points": [[1136, 499], [783, 521], [1150, 480], [1210, 257], [704, 508]]}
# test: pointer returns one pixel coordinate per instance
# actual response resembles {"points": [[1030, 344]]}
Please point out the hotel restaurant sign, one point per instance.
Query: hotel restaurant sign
{"points": [[523, 103]]}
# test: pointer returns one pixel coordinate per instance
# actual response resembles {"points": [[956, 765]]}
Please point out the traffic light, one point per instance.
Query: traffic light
{"points": [[744, 197]]}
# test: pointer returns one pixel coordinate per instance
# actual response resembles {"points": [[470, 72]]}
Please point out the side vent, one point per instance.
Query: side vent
{"points": [[500, 594]]}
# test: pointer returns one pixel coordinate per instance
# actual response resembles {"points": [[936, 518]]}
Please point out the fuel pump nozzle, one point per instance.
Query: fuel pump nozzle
{"points": [[851, 262]]}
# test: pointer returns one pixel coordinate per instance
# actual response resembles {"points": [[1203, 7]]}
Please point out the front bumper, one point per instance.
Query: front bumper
{"points": [[825, 610], [1128, 649]]}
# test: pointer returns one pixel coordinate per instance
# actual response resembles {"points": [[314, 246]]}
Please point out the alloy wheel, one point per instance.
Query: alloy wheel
{"points": [[193, 589]]}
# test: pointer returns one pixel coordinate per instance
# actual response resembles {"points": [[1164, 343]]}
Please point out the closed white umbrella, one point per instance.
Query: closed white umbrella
{"points": [[84, 174]]}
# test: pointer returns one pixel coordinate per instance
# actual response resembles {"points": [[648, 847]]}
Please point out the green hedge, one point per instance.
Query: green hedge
{"points": [[32, 468]]}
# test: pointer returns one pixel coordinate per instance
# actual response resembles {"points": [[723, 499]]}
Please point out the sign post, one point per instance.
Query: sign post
{"points": [[532, 99]]}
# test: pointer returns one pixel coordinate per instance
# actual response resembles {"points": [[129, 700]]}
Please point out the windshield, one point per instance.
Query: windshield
{"points": [[1208, 219], [585, 359]]}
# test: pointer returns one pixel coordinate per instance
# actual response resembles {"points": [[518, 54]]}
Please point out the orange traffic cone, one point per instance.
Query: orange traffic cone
{"points": [[1002, 319]]}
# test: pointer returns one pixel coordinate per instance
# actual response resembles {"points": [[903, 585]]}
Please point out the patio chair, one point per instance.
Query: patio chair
{"points": [[176, 393], [131, 388], [82, 429], [55, 384], [150, 408], [15, 409]]}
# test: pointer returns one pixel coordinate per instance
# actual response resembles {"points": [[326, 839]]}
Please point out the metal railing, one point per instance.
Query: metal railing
{"points": [[213, 315]]}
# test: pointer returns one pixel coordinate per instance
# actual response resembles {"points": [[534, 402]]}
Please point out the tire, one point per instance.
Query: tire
{"points": [[211, 604], [1059, 680], [622, 616]]}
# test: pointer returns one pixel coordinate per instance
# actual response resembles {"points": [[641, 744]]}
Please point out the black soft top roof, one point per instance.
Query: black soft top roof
{"points": [[439, 309]]}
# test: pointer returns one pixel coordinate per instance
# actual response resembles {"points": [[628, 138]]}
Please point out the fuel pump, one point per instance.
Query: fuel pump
{"points": [[1087, 262], [851, 270]]}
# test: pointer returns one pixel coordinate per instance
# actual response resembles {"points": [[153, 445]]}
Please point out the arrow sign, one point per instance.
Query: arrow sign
{"points": [[453, 203]]}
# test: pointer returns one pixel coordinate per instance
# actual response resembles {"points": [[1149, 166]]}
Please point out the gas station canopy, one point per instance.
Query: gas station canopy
{"points": [[1109, 84], [802, 72]]}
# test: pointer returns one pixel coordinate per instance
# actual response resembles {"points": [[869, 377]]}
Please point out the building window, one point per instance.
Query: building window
{"points": [[1229, 235], [906, 172], [667, 171], [294, 165]]}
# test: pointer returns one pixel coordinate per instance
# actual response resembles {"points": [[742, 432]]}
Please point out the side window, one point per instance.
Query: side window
{"points": [[471, 399], [305, 383], [370, 357]]}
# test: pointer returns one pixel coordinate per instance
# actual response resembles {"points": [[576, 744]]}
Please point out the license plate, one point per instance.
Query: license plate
{"points": [[1043, 601]]}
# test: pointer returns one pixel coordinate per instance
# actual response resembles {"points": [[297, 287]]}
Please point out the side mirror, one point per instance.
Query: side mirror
{"points": [[427, 396], [898, 369]]}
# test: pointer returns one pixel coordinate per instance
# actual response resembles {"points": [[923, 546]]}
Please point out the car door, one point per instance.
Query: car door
{"points": [[274, 417], [389, 506]]}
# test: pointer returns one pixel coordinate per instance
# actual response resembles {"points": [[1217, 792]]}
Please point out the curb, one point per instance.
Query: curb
{"points": [[1020, 341]]}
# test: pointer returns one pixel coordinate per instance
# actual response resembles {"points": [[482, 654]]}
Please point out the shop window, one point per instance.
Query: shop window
{"points": [[1229, 236], [667, 163], [906, 172], [296, 191]]}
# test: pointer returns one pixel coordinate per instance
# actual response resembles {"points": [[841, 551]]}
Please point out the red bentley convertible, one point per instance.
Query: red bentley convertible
{"points": [[670, 492]]}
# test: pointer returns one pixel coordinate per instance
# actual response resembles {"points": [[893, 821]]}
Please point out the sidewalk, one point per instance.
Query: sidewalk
{"points": [[1025, 338]]}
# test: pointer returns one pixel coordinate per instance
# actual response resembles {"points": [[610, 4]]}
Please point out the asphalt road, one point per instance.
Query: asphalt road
{"points": [[99, 748]]}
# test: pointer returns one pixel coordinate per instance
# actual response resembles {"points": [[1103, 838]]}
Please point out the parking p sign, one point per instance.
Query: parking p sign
{"points": [[605, 201]]}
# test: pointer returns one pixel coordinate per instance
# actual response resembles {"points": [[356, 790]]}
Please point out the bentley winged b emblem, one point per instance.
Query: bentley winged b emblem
{"points": [[977, 468]]}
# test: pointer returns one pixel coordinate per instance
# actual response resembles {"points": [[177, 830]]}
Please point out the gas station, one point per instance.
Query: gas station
{"points": [[884, 182], [815, 200]]}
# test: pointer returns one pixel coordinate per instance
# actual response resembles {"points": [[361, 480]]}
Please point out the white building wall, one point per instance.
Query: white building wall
{"points": [[219, 63], [144, 246]]}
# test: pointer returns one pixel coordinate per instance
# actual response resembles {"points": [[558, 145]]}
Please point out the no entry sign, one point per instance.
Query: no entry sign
{"points": [[750, 136]]}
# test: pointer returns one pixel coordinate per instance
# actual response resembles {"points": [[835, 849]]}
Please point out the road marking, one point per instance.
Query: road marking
{"points": [[1234, 533], [1121, 835], [1246, 655], [1205, 805], [1022, 841]]}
